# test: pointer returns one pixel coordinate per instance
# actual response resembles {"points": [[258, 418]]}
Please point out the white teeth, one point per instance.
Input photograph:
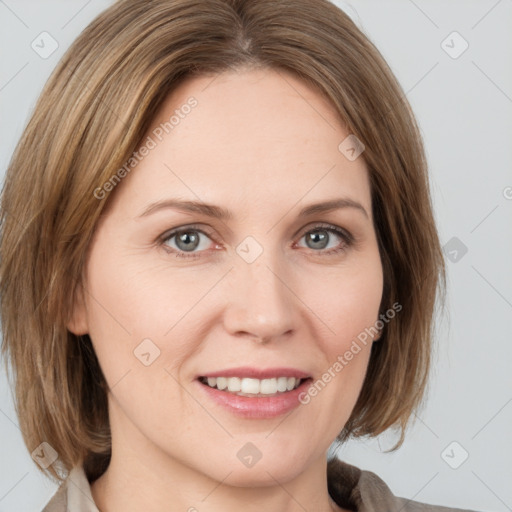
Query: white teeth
{"points": [[268, 386], [249, 386], [234, 384], [281, 384]]}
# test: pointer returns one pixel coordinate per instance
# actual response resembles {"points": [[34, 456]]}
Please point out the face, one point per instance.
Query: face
{"points": [[270, 294]]}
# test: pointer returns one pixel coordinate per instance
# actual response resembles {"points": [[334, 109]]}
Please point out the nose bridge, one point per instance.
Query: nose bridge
{"points": [[261, 304]]}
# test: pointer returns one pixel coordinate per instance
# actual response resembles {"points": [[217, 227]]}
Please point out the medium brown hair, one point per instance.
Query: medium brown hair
{"points": [[92, 115]]}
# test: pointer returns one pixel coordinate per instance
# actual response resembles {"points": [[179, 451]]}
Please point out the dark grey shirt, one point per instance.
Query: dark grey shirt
{"points": [[350, 487]]}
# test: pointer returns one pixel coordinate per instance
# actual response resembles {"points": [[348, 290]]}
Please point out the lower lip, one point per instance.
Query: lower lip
{"points": [[257, 407]]}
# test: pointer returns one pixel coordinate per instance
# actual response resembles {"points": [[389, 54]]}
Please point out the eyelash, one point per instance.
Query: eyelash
{"points": [[344, 235]]}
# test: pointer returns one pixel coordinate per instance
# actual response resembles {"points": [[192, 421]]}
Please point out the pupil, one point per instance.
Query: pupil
{"points": [[185, 238], [319, 239]]}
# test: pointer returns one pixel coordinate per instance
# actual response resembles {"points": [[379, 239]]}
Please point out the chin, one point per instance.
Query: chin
{"points": [[263, 475], [265, 467]]}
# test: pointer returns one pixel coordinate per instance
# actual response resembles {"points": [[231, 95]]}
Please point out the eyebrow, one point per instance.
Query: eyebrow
{"points": [[218, 212], [333, 204]]}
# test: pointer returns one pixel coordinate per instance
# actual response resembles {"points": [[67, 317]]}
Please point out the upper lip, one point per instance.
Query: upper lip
{"points": [[257, 373]]}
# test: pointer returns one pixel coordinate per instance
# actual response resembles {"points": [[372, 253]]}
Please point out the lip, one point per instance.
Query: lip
{"points": [[264, 407], [257, 373]]}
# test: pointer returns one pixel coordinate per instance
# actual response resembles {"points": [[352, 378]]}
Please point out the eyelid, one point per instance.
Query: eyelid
{"points": [[326, 225], [187, 227]]}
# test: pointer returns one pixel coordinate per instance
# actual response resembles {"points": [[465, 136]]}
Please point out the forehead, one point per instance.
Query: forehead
{"points": [[255, 135]]}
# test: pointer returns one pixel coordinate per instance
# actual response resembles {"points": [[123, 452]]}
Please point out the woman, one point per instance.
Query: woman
{"points": [[218, 256]]}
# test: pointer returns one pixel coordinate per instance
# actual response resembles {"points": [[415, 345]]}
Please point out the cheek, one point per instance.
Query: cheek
{"points": [[134, 313], [130, 299], [348, 305], [348, 300]]}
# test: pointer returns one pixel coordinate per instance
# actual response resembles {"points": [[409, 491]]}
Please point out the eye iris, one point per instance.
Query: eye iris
{"points": [[190, 239], [319, 239]]}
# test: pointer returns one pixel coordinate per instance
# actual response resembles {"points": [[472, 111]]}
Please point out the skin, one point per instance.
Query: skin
{"points": [[263, 145]]}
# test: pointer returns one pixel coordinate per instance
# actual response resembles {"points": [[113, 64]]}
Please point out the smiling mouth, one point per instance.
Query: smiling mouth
{"points": [[253, 387]]}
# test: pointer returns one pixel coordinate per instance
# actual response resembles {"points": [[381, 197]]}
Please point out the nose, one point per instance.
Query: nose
{"points": [[261, 304]]}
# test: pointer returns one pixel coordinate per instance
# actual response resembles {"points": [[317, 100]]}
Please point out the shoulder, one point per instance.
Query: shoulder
{"points": [[73, 494], [364, 491]]}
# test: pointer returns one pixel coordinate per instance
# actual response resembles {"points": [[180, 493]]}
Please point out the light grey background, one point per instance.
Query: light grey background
{"points": [[464, 107]]}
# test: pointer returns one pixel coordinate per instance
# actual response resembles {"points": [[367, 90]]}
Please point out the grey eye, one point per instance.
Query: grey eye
{"points": [[318, 238], [188, 240]]}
